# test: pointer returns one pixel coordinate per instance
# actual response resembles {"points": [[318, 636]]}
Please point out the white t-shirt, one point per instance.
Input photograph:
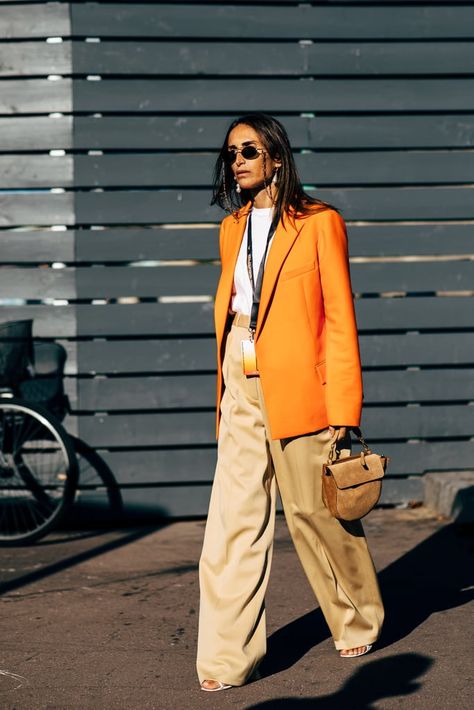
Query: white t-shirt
{"points": [[242, 289]]}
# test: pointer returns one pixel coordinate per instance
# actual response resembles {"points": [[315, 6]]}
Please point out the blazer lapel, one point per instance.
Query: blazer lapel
{"points": [[231, 252], [282, 242]]}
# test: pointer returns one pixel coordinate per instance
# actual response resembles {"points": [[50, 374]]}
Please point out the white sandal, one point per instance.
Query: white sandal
{"points": [[367, 647], [221, 686]]}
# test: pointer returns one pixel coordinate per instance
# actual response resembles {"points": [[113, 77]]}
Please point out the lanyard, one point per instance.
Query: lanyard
{"points": [[256, 287]]}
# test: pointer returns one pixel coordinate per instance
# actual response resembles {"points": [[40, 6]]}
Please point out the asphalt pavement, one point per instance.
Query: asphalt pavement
{"points": [[107, 619]]}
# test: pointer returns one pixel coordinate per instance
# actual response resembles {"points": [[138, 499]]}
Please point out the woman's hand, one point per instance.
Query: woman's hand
{"points": [[340, 430]]}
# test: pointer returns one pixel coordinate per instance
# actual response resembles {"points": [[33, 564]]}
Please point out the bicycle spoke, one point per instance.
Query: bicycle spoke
{"points": [[35, 465]]}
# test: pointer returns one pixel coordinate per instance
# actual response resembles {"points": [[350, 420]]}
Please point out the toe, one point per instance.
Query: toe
{"points": [[210, 684]]}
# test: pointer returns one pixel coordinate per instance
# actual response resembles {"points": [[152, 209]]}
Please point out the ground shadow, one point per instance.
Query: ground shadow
{"points": [[60, 565], [385, 678], [434, 576]]}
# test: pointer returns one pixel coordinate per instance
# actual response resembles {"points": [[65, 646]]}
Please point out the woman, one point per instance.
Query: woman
{"points": [[289, 387]]}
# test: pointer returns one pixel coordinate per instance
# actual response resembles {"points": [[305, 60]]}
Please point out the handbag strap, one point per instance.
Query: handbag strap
{"points": [[333, 451], [358, 434]]}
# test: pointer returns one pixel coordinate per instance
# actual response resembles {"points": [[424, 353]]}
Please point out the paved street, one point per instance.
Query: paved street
{"points": [[108, 618]]}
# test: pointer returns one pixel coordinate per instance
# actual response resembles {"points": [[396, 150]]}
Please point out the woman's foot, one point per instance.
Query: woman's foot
{"points": [[354, 652], [212, 686]]}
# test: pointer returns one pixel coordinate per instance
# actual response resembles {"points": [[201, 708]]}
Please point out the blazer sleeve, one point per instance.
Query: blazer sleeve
{"points": [[343, 368]]}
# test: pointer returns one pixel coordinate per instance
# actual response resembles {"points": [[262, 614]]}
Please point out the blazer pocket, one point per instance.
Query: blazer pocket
{"points": [[296, 272], [321, 370]]}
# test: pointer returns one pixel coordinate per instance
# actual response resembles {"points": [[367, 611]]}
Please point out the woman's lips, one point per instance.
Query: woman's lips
{"points": [[242, 173]]}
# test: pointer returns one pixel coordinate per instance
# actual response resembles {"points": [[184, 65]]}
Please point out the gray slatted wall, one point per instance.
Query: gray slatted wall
{"points": [[108, 131]]}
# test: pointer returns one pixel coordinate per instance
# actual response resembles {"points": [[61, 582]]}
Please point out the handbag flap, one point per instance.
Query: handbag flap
{"points": [[349, 472]]}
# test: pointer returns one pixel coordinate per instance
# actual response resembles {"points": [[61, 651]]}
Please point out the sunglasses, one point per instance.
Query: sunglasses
{"points": [[249, 152]]}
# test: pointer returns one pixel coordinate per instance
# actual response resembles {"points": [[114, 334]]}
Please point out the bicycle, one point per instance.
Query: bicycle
{"points": [[38, 463]]}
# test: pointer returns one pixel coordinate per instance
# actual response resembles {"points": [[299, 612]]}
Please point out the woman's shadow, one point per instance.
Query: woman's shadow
{"points": [[385, 678], [434, 576]]}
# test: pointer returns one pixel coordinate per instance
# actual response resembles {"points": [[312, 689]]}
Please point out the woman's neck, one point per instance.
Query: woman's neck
{"points": [[261, 198]]}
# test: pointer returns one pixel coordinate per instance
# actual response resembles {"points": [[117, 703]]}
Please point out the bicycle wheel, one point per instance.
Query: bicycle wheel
{"points": [[38, 471]]}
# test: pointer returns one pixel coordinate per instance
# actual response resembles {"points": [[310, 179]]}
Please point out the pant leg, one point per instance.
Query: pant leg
{"points": [[238, 542], [334, 554]]}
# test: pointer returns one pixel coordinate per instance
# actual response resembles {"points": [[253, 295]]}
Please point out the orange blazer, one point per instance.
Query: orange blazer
{"points": [[306, 338]]}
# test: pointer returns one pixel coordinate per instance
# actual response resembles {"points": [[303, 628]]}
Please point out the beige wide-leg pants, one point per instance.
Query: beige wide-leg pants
{"points": [[237, 552]]}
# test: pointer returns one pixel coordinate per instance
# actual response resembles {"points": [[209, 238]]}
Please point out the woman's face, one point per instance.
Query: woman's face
{"points": [[250, 172]]}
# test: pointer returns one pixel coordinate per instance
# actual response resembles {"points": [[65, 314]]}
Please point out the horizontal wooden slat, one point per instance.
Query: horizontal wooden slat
{"points": [[33, 133], [165, 501], [174, 391], [415, 277], [145, 319], [169, 429], [184, 206], [197, 465], [416, 349], [302, 22], [202, 280], [415, 313], [115, 357], [246, 59], [38, 283], [35, 96], [47, 19], [191, 206], [207, 132], [143, 393], [419, 386], [240, 95], [196, 318], [406, 239], [113, 282], [101, 282], [185, 428], [35, 171], [255, 58], [353, 168], [36, 246], [27, 133], [130, 356], [134, 244], [193, 170], [49, 321], [165, 466], [36, 209], [35, 58]]}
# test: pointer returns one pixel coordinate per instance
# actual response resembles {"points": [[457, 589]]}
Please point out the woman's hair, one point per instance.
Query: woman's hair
{"points": [[290, 190]]}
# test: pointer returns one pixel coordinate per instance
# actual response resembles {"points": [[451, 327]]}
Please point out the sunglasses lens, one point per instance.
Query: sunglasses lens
{"points": [[249, 152], [230, 156]]}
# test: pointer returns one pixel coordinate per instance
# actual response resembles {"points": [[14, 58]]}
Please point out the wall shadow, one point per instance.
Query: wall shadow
{"points": [[385, 678], [436, 575]]}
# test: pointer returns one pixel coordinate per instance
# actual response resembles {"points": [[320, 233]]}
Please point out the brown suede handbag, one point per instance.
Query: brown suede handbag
{"points": [[352, 485]]}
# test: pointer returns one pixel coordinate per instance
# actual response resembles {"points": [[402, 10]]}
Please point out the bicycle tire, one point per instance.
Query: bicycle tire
{"points": [[38, 471]]}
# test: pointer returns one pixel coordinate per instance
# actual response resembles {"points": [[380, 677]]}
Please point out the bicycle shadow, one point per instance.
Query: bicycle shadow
{"points": [[385, 678], [412, 589], [98, 496], [75, 559]]}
